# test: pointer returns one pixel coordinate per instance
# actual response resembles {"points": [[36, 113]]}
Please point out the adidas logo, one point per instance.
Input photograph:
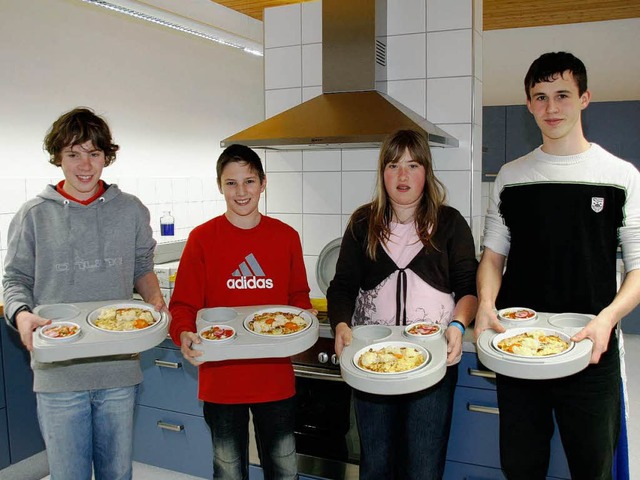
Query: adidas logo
{"points": [[246, 276]]}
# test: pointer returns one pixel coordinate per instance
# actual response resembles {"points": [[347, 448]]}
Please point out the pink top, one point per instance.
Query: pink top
{"points": [[424, 303]]}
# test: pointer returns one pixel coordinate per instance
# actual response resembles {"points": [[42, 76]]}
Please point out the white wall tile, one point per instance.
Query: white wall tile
{"points": [[283, 67], [454, 158], [476, 231], [477, 15], [164, 190], [282, 26], [321, 192], [310, 92], [476, 198], [406, 16], [411, 93], [195, 189], [310, 263], [277, 101], [283, 161], [360, 159], [194, 214], [406, 57], [312, 65], [477, 55], [5, 220], [318, 230], [477, 101], [344, 221], [180, 213], [180, 188], [35, 185], [449, 53], [284, 192], [458, 186], [357, 189], [449, 100], [448, 14], [321, 160], [210, 190], [311, 22], [13, 194], [477, 148], [147, 191], [294, 220]]}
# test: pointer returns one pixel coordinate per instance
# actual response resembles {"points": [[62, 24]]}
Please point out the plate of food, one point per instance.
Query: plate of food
{"points": [[422, 330], [278, 322], [517, 314], [124, 317], [532, 342], [61, 331], [217, 333], [387, 358]]}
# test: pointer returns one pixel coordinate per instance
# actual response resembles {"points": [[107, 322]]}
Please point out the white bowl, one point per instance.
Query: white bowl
{"points": [[517, 315], [223, 333], [306, 316], [379, 346], [512, 332], [423, 330], [59, 331]]}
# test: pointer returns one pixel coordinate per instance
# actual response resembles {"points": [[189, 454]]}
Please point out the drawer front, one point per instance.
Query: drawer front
{"points": [[464, 471], [475, 433], [473, 374], [175, 441], [4, 438], [170, 382]]}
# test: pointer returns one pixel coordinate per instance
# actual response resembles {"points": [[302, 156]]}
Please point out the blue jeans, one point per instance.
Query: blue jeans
{"points": [[85, 427], [274, 426], [404, 437]]}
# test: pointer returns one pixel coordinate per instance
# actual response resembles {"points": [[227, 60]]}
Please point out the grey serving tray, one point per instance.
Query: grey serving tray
{"points": [[539, 368], [92, 341], [247, 344], [395, 383]]}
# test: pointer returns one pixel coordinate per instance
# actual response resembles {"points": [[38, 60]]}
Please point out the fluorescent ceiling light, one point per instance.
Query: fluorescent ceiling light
{"points": [[177, 22]]}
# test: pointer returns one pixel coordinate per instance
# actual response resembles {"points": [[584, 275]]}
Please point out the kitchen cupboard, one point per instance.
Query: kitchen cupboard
{"points": [[473, 450], [508, 132], [20, 419]]}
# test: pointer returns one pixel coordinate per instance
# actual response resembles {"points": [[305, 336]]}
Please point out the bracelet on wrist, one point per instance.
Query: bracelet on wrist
{"points": [[458, 324]]}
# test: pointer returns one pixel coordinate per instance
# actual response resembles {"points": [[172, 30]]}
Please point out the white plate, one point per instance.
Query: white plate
{"points": [[57, 325], [512, 332], [93, 316], [427, 325], [532, 315], [326, 266], [381, 345], [306, 316], [217, 340]]}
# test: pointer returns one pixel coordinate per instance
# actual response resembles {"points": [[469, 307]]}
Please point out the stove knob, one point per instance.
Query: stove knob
{"points": [[335, 360], [323, 357]]}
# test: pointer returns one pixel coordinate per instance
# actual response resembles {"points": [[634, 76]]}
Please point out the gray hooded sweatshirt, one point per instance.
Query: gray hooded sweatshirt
{"points": [[60, 251]]}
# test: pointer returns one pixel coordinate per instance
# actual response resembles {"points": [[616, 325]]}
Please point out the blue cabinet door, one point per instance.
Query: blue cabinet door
{"points": [[4, 440], [522, 133], [25, 439], [493, 141]]}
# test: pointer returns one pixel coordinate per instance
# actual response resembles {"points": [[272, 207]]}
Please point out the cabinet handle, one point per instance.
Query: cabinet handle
{"points": [[474, 372], [170, 426], [482, 409], [163, 364]]}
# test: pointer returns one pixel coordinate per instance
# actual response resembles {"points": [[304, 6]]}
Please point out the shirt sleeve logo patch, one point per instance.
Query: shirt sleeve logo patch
{"points": [[597, 204]]}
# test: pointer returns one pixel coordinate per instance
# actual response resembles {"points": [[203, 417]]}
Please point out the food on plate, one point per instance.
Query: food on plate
{"points": [[391, 359], [518, 314], [60, 331], [423, 329], [217, 333], [124, 319], [277, 323], [535, 343]]}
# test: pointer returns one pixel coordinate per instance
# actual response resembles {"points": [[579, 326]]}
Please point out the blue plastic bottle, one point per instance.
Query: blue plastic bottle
{"points": [[166, 225]]}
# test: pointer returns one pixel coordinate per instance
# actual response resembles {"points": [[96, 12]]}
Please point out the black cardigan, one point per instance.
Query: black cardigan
{"points": [[451, 268]]}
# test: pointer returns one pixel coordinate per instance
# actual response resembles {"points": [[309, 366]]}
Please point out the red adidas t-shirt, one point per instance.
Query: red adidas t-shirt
{"points": [[271, 252]]}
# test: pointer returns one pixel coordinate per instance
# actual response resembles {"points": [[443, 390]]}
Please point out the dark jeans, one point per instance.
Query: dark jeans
{"points": [[587, 410], [274, 427], [405, 437]]}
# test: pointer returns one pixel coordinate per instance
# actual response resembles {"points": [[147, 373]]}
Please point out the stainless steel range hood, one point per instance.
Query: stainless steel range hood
{"points": [[350, 113]]}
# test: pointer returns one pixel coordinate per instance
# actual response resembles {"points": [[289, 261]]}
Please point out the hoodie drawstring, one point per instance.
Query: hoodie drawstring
{"points": [[401, 297]]}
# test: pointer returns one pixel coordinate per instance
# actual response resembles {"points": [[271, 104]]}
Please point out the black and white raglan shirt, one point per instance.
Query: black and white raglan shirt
{"points": [[559, 220]]}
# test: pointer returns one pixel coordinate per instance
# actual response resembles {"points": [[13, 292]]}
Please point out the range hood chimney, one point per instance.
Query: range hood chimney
{"points": [[350, 113]]}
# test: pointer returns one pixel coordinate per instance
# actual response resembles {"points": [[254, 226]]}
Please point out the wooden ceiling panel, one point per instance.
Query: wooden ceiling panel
{"points": [[501, 14]]}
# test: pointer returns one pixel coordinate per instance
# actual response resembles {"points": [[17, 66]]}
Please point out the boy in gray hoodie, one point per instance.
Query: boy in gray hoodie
{"points": [[81, 240]]}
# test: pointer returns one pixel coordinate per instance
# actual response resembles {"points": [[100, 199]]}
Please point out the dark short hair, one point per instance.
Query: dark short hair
{"points": [[549, 66], [240, 154], [75, 128]]}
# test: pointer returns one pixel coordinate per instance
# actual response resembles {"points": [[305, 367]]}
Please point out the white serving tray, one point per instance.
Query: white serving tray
{"points": [[247, 344], [540, 368], [92, 341], [396, 383]]}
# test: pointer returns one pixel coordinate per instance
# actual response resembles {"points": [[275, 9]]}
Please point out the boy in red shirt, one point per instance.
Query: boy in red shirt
{"points": [[237, 259]]}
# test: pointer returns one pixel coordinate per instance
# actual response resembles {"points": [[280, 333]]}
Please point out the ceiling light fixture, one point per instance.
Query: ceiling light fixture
{"points": [[182, 24]]}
